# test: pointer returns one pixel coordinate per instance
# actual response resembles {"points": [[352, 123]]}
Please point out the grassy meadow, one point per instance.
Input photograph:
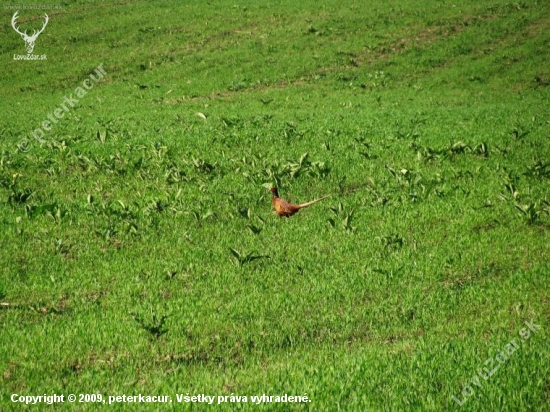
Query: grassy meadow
{"points": [[139, 250]]}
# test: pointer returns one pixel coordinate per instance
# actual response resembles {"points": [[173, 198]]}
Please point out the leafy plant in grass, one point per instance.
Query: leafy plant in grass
{"points": [[357, 332], [62, 247], [156, 326], [304, 165], [449, 152], [254, 229], [392, 242], [345, 216], [363, 148], [16, 194], [539, 169], [52, 210], [202, 165], [482, 149], [389, 273], [417, 186], [530, 212], [19, 196], [519, 132], [246, 213], [245, 259]]}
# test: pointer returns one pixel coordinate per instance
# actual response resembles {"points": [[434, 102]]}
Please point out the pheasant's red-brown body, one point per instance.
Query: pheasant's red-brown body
{"points": [[287, 209]]}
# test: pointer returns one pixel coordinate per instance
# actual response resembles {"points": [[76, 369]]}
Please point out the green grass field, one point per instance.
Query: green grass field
{"points": [[139, 249]]}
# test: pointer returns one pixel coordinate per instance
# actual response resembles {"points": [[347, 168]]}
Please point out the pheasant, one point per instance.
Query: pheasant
{"points": [[284, 208]]}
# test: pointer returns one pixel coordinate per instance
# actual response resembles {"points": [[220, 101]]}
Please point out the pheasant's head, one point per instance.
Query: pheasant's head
{"points": [[275, 192]]}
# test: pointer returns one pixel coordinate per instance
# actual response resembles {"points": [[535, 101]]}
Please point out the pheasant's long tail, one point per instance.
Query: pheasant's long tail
{"points": [[312, 202]]}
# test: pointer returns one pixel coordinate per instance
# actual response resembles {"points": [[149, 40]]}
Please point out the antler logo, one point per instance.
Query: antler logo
{"points": [[29, 40]]}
